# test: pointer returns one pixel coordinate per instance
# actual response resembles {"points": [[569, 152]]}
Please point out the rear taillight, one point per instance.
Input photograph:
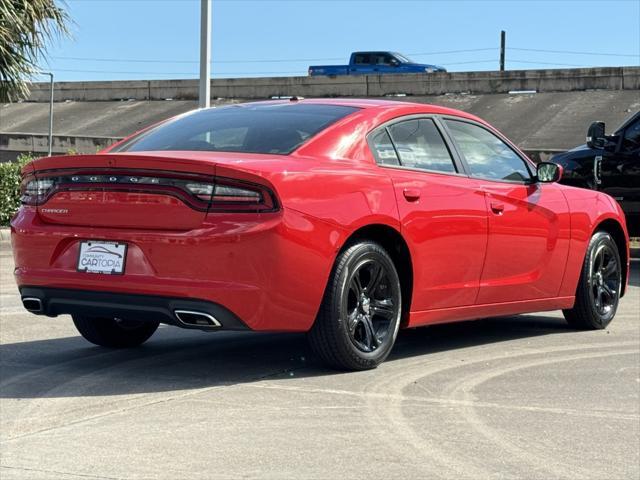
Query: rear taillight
{"points": [[199, 192], [33, 191], [233, 196]]}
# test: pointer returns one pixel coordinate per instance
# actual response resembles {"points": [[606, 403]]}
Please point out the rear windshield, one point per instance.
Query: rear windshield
{"points": [[266, 128]]}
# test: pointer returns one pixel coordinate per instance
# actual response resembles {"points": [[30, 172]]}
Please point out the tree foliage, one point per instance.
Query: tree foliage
{"points": [[26, 27], [10, 187]]}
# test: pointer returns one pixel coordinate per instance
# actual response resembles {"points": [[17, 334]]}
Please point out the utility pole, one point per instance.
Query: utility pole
{"points": [[503, 41], [205, 53]]}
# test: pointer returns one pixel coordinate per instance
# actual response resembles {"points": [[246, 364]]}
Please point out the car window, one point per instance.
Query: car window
{"points": [[388, 59], [631, 139], [382, 148], [381, 59], [487, 155], [402, 58], [362, 59], [420, 145], [277, 128]]}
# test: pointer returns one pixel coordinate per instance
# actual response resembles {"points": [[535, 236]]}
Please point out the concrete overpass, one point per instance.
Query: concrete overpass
{"points": [[553, 116]]}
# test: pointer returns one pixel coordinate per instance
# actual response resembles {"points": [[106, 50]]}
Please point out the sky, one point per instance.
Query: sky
{"points": [[159, 39]]}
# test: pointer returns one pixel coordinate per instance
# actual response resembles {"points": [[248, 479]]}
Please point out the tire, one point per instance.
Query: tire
{"points": [[598, 291], [112, 333], [360, 313]]}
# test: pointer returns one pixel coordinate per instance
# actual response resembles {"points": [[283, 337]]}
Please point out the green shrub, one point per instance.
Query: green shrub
{"points": [[10, 187]]}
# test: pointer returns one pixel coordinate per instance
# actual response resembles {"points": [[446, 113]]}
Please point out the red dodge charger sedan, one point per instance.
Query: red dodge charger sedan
{"points": [[346, 219]]}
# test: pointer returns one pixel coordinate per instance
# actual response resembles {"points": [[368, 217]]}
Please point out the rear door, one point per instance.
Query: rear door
{"points": [[442, 212], [529, 227]]}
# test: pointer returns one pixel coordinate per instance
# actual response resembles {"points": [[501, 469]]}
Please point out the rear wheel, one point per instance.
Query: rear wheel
{"points": [[360, 315], [114, 333], [598, 291]]}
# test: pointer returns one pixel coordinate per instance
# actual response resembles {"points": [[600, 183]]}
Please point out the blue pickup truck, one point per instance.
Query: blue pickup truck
{"points": [[374, 63]]}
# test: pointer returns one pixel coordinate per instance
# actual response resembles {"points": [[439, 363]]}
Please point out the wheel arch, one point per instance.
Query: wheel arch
{"points": [[613, 228], [395, 244]]}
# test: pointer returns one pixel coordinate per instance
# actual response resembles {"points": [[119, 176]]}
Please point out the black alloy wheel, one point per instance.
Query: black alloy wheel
{"points": [[360, 314], [371, 305], [605, 280], [599, 287]]}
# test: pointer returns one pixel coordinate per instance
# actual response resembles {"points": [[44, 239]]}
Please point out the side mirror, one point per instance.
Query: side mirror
{"points": [[595, 135], [549, 172], [395, 62]]}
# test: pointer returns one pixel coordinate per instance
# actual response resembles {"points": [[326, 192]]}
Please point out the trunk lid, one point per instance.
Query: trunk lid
{"points": [[143, 191]]}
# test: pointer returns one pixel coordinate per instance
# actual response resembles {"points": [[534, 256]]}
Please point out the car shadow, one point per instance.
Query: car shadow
{"points": [[176, 359]]}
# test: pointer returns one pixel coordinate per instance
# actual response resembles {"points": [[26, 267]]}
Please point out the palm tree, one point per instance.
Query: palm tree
{"points": [[25, 28]]}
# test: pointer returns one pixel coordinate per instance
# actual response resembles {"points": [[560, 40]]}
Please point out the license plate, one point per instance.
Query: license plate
{"points": [[102, 257]]}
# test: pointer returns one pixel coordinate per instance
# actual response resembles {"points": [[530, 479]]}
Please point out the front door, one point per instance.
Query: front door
{"points": [[529, 223]]}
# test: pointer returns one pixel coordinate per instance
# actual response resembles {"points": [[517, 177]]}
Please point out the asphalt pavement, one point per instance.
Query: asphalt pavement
{"points": [[520, 397]]}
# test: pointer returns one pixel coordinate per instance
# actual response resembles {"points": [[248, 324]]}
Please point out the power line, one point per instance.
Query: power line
{"points": [[595, 54], [454, 51], [279, 72], [491, 60], [193, 62], [167, 73], [125, 72], [544, 63], [279, 60], [121, 60], [299, 72], [294, 60]]}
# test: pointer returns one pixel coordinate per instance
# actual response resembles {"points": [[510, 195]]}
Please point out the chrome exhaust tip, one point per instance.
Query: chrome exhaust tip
{"points": [[196, 319], [32, 304]]}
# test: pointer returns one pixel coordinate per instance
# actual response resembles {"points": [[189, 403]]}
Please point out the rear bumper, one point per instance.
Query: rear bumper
{"points": [[269, 270], [58, 301]]}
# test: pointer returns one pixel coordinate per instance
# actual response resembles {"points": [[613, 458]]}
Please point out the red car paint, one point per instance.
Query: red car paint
{"points": [[478, 248]]}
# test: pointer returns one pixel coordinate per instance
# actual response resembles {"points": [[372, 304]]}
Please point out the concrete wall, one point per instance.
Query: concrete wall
{"points": [[532, 121], [14, 144], [557, 80]]}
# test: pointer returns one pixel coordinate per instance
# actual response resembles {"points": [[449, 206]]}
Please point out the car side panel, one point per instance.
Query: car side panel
{"points": [[588, 209], [472, 312], [528, 243], [342, 193]]}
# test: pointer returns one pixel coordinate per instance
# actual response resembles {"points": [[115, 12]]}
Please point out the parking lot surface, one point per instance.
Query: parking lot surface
{"points": [[519, 397]]}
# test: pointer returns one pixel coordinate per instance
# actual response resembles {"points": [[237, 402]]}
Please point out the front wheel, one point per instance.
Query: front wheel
{"points": [[360, 314], [599, 287], [114, 333]]}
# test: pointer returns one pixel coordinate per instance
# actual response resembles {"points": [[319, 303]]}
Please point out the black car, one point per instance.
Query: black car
{"points": [[609, 163]]}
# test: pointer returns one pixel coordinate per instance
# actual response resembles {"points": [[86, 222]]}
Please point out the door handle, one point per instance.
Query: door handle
{"points": [[497, 208], [411, 194]]}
